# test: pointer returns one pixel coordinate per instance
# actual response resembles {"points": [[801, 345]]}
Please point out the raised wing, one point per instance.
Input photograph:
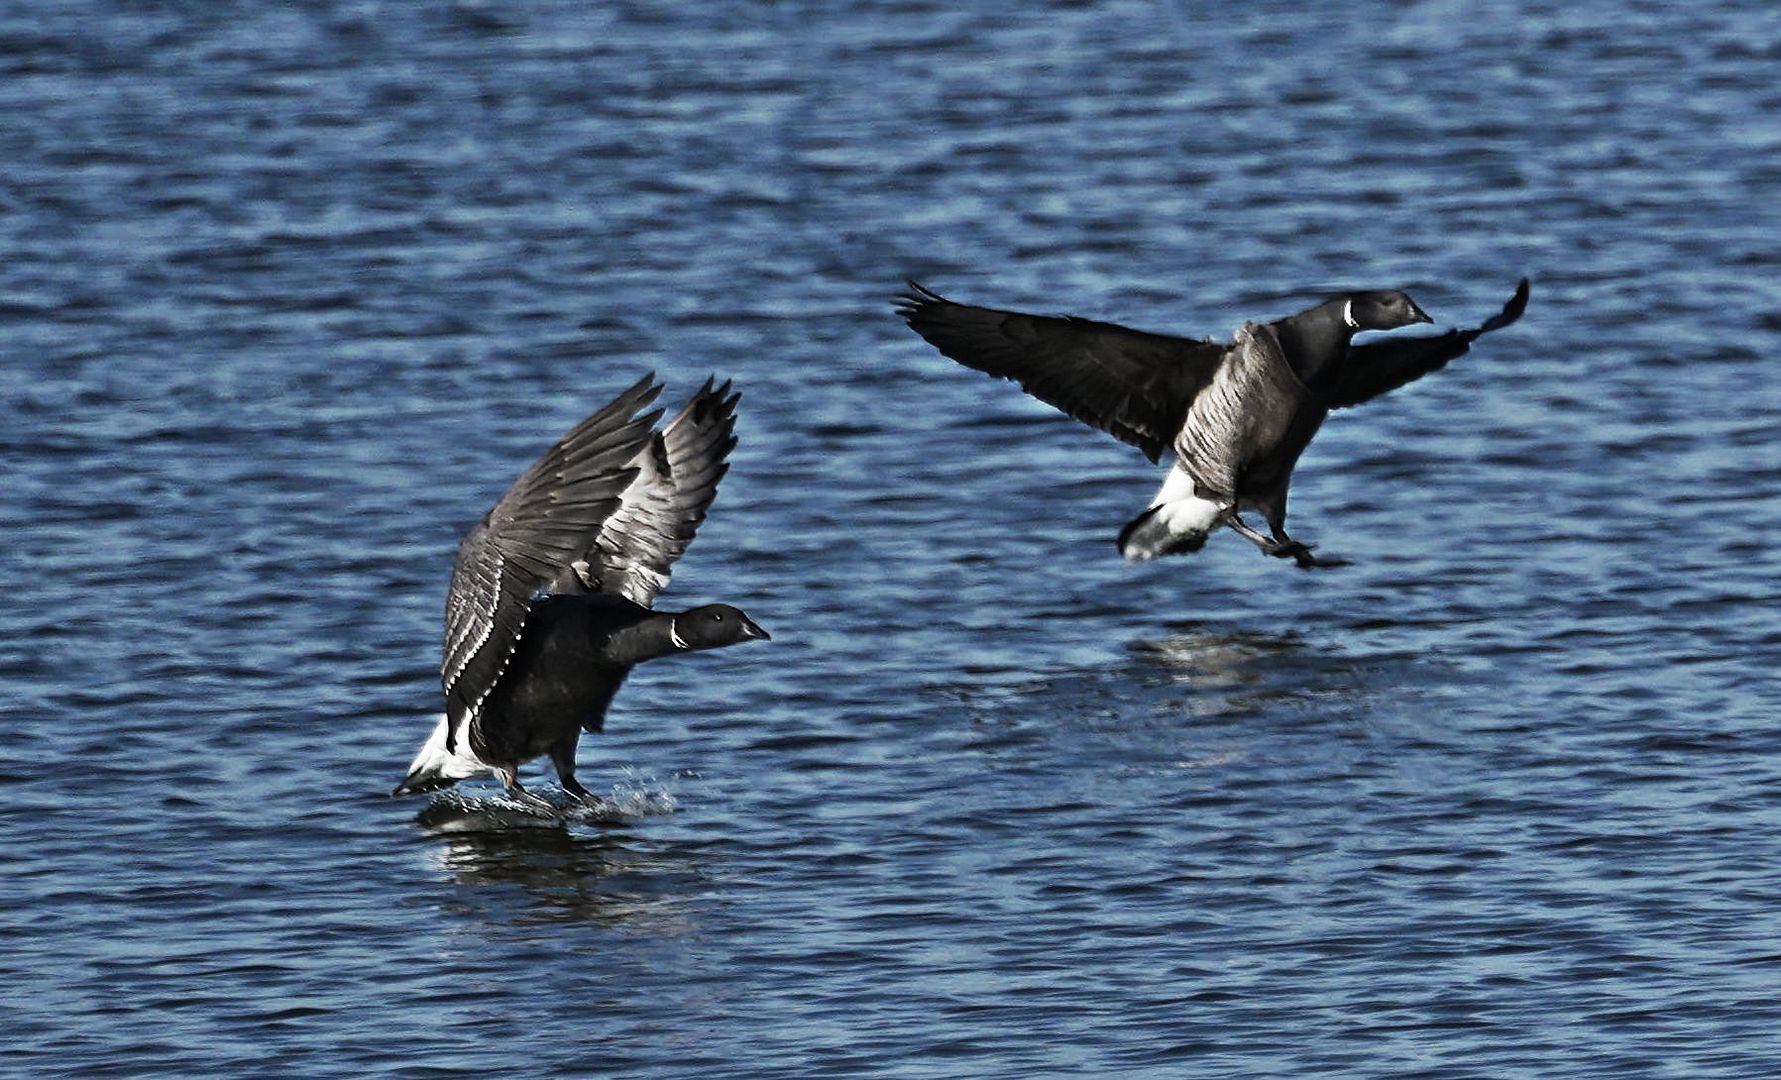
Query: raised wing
{"points": [[1135, 386], [677, 475], [1382, 366], [542, 524]]}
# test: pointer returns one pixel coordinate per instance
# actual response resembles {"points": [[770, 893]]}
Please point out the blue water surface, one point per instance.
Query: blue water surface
{"points": [[289, 293]]}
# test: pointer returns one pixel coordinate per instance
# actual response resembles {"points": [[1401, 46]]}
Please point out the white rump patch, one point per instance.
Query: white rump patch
{"points": [[1190, 517], [1184, 511], [1180, 520], [434, 762]]}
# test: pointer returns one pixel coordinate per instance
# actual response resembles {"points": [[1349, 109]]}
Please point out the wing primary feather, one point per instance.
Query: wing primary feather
{"points": [[1379, 367], [676, 481], [1132, 384], [530, 539]]}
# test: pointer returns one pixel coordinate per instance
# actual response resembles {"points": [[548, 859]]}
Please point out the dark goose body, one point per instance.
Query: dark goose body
{"points": [[549, 605], [1236, 415]]}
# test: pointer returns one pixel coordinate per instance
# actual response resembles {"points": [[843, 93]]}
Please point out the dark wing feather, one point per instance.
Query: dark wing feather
{"points": [[1133, 385], [677, 475], [542, 524], [1382, 366]]}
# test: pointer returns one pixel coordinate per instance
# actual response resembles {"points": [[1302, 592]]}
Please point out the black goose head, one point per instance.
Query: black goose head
{"points": [[714, 626], [1385, 309]]}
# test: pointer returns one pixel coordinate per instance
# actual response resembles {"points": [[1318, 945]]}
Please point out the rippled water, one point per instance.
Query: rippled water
{"points": [[290, 294]]}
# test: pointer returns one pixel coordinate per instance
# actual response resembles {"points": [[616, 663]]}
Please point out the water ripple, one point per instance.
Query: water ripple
{"points": [[290, 292]]}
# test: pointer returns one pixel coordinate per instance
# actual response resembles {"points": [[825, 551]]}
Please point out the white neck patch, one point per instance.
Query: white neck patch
{"points": [[674, 634], [1348, 315]]}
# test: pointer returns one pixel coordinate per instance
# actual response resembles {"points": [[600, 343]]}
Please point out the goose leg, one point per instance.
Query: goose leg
{"points": [[509, 777], [562, 755], [1282, 546]]}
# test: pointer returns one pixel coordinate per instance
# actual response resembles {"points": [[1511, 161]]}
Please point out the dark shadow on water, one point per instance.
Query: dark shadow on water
{"points": [[1224, 673], [535, 857], [1228, 672], [1187, 693], [1220, 658], [526, 877], [567, 862], [1199, 661]]}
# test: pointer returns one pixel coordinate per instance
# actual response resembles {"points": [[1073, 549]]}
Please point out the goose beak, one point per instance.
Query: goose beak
{"points": [[751, 631], [1417, 315]]}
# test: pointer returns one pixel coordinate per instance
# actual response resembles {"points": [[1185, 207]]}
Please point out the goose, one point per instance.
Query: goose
{"points": [[551, 598], [1236, 415]]}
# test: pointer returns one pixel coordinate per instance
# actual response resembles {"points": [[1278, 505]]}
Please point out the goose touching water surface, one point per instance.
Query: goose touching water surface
{"points": [[549, 607]]}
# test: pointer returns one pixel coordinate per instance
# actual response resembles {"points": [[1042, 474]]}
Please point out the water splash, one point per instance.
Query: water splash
{"points": [[638, 795], [641, 794]]}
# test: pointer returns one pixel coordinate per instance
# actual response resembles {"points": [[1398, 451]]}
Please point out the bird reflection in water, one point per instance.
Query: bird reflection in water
{"points": [[1208, 658], [549, 872], [1251, 687], [1236, 674]]}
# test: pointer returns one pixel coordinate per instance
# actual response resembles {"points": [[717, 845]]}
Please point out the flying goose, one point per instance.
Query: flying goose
{"points": [[1237, 416]]}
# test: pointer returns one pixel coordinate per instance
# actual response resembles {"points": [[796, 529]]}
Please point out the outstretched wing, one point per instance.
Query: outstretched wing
{"points": [[677, 475], [1381, 366], [543, 523], [1135, 386]]}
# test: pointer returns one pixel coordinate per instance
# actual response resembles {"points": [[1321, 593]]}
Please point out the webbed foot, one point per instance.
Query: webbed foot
{"points": [[577, 791], [1300, 553], [1282, 546], [537, 804]]}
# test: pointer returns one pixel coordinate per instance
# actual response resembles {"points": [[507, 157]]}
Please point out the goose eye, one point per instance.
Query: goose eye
{"points": [[717, 618]]}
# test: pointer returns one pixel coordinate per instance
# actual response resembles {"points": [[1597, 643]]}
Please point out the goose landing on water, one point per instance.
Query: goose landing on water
{"points": [[1236, 416], [549, 605]]}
